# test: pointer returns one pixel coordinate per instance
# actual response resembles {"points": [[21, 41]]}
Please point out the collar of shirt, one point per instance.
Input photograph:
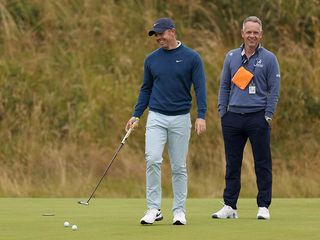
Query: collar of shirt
{"points": [[243, 51]]}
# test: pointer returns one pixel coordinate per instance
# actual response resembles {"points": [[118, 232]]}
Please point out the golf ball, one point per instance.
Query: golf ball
{"points": [[66, 224], [74, 227]]}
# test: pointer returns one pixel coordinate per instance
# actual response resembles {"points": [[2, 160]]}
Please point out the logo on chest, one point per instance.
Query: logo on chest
{"points": [[259, 63]]}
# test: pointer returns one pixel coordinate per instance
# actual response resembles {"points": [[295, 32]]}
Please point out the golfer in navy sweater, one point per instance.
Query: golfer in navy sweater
{"points": [[169, 73], [249, 92]]}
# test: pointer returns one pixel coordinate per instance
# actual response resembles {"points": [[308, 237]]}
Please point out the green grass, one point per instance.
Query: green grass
{"points": [[21, 218], [70, 74]]}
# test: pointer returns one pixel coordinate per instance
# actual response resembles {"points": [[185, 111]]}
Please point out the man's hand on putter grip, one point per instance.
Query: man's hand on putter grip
{"points": [[133, 120]]}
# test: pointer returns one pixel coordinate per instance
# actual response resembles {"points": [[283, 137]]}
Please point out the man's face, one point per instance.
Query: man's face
{"points": [[166, 39], [251, 34]]}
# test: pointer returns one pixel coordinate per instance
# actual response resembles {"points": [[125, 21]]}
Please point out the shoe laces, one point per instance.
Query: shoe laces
{"points": [[225, 208], [179, 215], [151, 211], [263, 210]]}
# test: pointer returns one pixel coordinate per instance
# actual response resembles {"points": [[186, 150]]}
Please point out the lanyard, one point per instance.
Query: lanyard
{"points": [[245, 62]]}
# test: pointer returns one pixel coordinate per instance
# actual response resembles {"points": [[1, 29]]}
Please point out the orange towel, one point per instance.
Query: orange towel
{"points": [[242, 78]]}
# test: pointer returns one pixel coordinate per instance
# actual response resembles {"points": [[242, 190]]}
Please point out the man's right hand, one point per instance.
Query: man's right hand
{"points": [[132, 121]]}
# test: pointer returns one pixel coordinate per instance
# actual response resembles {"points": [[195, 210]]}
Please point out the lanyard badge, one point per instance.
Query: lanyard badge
{"points": [[252, 88]]}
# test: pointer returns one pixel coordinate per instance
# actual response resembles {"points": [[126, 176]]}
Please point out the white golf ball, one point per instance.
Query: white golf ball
{"points": [[74, 227], [66, 224]]}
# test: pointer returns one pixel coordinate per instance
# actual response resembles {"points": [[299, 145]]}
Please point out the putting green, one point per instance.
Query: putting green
{"points": [[43, 218]]}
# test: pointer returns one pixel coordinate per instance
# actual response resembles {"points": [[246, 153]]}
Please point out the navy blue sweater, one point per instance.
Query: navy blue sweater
{"points": [[168, 76], [265, 67]]}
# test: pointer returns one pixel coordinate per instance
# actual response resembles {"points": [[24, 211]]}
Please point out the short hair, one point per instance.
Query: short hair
{"points": [[252, 19]]}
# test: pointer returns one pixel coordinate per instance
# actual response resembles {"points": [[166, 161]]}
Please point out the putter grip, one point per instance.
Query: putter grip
{"points": [[128, 133]]}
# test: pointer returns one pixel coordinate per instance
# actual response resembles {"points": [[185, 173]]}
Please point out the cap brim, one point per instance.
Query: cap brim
{"points": [[151, 33], [157, 30]]}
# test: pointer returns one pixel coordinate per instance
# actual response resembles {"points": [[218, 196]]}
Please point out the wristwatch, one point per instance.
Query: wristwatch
{"points": [[268, 119]]}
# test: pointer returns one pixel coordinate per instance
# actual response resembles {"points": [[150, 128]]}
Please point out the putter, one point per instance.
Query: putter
{"points": [[86, 203]]}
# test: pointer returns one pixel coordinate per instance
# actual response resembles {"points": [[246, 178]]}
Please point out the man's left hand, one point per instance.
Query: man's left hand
{"points": [[200, 126]]}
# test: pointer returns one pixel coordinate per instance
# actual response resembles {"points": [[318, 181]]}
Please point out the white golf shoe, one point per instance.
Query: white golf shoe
{"points": [[225, 212], [151, 216], [179, 218], [263, 213]]}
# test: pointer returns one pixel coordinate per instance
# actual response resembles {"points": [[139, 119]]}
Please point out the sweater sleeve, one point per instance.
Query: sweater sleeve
{"points": [[225, 86], [199, 82], [145, 92], [273, 81]]}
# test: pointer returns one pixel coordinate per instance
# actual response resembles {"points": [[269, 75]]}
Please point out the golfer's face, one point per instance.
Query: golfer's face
{"points": [[251, 34], [166, 38]]}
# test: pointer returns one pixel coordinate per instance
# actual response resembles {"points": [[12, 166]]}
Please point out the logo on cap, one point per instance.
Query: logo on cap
{"points": [[161, 25]]}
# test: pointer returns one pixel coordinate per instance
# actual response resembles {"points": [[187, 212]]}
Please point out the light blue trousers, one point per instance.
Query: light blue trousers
{"points": [[174, 130]]}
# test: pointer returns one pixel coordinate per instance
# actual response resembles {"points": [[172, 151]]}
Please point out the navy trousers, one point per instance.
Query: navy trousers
{"points": [[237, 128]]}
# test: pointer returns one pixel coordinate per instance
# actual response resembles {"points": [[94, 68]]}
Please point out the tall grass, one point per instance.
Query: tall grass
{"points": [[70, 72]]}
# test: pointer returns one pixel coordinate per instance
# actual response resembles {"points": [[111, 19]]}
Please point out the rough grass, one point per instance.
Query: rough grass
{"points": [[70, 72]]}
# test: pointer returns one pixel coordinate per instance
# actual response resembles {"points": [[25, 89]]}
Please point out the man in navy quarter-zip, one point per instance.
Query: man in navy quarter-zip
{"points": [[169, 73], [249, 92]]}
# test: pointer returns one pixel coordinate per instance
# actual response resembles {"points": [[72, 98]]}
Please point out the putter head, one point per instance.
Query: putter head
{"points": [[83, 203]]}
